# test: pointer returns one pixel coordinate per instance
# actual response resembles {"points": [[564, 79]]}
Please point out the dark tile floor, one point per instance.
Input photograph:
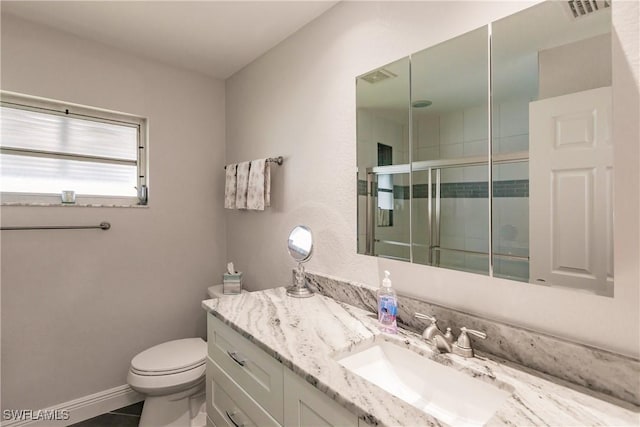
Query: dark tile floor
{"points": [[129, 416]]}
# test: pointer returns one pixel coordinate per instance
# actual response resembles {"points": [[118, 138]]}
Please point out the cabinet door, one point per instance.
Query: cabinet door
{"points": [[306, 406], [256, 372], [228, 405]]}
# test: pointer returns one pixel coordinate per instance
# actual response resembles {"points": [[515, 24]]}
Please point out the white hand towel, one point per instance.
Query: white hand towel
{"points": [[242, 183], [258, 194], [230, 187]]}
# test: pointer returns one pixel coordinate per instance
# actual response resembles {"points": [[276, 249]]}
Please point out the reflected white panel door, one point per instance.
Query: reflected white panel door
{"points": [[571, 191]]}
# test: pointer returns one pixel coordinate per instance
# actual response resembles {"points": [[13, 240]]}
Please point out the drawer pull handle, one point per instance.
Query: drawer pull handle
{"points": [[237, 357], [234, 422]]}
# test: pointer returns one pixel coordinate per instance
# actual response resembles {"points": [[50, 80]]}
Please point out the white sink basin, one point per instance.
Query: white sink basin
{"points": [[452, 397]]}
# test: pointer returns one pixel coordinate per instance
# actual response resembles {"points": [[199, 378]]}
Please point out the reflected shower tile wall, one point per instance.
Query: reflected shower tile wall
{"points": [[428, 132], [599, 370], [511, 225], [511, 126], [511, 171], [511, 144], [374, 129], [451, 128], [475, 173], [363, 124], [476, 125], [514, 117], [451, 175], [430, 153], [477, 148], [511, 269], [476, 218], [477, 244], [477, 263], [420, 220], [452, 260], [452, 151]]}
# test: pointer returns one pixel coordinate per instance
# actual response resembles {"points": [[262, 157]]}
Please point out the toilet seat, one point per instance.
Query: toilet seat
{"points": [[159, 385], [169, 367], [170, 358]]}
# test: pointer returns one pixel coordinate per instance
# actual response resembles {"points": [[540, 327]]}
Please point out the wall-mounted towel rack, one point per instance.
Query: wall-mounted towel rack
{"points": [[103, 226], [278, 160]]}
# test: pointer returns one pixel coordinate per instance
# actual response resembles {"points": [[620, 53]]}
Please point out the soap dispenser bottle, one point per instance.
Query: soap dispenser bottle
{"points": [[387, 306]]}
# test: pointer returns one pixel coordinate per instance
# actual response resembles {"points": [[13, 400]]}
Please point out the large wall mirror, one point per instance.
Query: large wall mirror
{"points": [[491, 152]]}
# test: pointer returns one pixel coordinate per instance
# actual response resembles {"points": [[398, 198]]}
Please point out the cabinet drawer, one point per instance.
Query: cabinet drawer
{"points": [[229, 406], [259, 374]]}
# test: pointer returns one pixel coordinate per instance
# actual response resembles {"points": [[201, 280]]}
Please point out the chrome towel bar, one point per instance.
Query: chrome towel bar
{"points": [[103, 226], [277, 160]]}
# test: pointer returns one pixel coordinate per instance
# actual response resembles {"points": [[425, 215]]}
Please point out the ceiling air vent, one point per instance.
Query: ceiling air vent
{"points": [[378, 76], [579, 8]]}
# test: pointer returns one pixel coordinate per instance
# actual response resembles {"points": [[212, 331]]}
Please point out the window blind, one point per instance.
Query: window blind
{"points": [[47, 151]]}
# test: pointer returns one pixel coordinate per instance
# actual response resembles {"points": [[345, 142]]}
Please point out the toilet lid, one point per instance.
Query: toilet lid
{"points": [[171, 357]]}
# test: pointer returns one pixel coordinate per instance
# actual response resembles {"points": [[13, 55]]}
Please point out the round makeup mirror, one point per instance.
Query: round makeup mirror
{"points": [[301, 243], [300, 248]]}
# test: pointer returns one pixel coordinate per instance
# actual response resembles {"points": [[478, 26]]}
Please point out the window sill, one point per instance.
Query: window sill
{"points": [[50, 200], [71, 205]]}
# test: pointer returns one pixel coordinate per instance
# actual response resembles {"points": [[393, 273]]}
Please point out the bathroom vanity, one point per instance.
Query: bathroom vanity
{"points": [[247, 386], [275, 360]]}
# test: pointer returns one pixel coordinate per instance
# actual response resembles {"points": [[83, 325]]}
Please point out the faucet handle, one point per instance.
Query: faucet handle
{"points": [[478, 334], [462, 347], [421, 316]]}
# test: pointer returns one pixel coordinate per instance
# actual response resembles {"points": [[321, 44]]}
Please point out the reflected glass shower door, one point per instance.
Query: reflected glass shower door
{"points": [[449, 162], [511, 220], [388, 215], [451, 213], [425, 205]]}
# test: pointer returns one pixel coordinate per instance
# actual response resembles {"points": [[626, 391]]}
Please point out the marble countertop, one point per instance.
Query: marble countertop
{"points": [[306, 334]]}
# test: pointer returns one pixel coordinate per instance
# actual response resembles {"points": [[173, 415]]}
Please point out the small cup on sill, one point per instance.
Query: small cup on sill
{"points": [[68, 196]]}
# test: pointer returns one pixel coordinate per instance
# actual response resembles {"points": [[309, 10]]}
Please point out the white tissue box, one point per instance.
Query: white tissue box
{"points": [[231, 283]]}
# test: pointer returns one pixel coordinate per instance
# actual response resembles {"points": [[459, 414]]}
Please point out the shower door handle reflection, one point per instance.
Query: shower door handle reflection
{"points": [[370, 215], [433, 216]]}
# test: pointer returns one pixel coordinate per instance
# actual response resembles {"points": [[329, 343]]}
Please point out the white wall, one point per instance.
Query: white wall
{"points": [[298, 101], [78, 305], [575, 67]]}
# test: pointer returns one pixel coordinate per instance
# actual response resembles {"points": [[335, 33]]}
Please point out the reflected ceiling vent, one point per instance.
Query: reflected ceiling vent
{"points": [[378, 75], [580, 8]]}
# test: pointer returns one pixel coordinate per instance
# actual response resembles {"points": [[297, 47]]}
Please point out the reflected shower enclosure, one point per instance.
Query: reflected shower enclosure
{"points": [[438, 174]]}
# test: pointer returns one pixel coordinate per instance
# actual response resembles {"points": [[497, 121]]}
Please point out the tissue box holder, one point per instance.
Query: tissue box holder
{"points": [[231, 283]]}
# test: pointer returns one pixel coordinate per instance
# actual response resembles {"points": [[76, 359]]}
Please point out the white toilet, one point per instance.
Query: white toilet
{"points": [[172, 376]]}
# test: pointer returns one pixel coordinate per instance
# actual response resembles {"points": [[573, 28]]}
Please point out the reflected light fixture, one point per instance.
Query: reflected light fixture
{"points": [[421, 103]]}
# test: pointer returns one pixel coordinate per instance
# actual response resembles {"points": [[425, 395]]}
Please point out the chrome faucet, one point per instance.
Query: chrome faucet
{"points": [[434, 336], [443, 341]]}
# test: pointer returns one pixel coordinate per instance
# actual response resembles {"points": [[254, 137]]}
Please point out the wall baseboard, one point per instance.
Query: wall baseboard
{"points": [[79, 409]]}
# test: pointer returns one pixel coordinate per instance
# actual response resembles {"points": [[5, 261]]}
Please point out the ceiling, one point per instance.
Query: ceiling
{"points": [[216, 38]]}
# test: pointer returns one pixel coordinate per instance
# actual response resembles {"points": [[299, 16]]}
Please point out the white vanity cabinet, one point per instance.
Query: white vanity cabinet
{"points": [[247, 387], [305, 406]]}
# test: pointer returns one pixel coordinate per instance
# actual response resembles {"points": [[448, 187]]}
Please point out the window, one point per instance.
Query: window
{"points": [[47, 147]]}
